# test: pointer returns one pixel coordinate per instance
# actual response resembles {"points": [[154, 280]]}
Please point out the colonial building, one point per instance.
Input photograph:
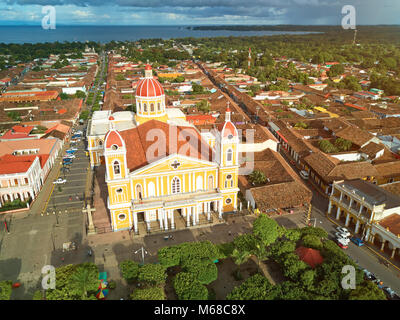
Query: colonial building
{"points": [[159, 168], [24, 166], [370, 211]]}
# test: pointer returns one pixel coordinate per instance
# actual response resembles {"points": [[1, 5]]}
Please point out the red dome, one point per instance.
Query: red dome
{"points": [[149, 87], [148, 67], [113, 137]]}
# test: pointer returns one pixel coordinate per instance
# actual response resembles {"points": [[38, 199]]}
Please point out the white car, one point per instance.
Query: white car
{"points": [[77, 132], [304, 174], [343, 231], [70, 156], [60, 181], [341, 235]]}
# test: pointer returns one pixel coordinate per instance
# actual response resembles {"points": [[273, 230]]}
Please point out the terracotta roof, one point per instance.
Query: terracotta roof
{"points": [[330, 168], [284, 189], [388, 169], [371, 149], [18, 164], [355, 135], [139, 142], [392, 222], [310, 256]]}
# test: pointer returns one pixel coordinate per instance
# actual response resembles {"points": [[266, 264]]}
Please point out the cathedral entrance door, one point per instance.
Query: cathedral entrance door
{"points": [[140, 216]]}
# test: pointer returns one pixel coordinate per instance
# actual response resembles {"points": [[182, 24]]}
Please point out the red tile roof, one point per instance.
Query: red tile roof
{"points": [[141, 142]]}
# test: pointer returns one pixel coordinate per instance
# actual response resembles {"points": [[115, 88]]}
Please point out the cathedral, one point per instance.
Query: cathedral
{"points": [[162, 171]]}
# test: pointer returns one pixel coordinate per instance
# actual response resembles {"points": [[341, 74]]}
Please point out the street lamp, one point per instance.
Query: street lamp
{"points": [[315, 221], [143, 253]]}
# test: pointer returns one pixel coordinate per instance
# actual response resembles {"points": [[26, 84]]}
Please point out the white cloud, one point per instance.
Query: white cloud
{"points": [[82, 14]]}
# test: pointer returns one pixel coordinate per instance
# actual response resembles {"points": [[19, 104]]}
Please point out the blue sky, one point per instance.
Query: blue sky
{"points": [[198, 12]]}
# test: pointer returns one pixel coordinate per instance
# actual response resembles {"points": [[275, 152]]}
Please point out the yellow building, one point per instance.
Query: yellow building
{"points": [[160, 170]]}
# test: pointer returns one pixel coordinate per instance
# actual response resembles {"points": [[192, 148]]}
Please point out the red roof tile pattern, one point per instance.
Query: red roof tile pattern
{"points": [[149, 87], [140, 143]]}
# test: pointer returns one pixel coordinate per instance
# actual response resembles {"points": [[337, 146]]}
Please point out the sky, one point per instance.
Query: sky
{"points": [[199, 12]]}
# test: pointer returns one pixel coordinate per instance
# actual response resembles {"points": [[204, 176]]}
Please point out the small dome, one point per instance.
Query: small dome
{"points": [[113, 138], [111, 118], [148, 67]]}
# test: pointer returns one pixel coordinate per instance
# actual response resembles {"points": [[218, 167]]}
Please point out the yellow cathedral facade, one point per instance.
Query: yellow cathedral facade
{"points": [[161, 172]]}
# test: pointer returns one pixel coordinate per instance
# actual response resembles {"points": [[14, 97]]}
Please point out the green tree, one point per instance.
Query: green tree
{"points": [[343, 144], [367, 291], [266, 229], [187, 287], [312, 241], [197, 89], [203, 269], [203, 106], [85, 279], [327, 147], [152, 273], [293, 266], [257, 177], [256, 287], [84, 115], [5, 290], [319, 232], [129, 270], [80, 94], [151, 293], [64, 96], [335, 70]]}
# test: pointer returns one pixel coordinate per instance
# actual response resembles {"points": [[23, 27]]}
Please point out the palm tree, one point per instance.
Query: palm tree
{"points": [[257, 177], [83, 280], [240, 257], [260, 253]]}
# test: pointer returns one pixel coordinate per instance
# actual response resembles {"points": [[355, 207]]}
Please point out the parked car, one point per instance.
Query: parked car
{"points": [[60, 181], [341, 243], [357, 241], [304, 174], [70, 151], [76, 136], [343, 231], [69, 156], [390, 292], [67, 161], [341, 235]]}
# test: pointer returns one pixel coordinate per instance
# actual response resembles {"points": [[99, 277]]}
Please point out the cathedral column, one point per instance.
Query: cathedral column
{"points": [[220, 209], [192, 211], [338, 213], [165, 216], [208, 211], [187, 217], [160, 217], [171, 213], [135, 222]]}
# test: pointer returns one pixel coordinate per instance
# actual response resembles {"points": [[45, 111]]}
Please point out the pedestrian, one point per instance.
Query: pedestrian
{"points": [[90, 252], [229, 232], [62, 259]]}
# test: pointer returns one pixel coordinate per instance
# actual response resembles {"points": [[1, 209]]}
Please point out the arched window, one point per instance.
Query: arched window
{"points": [[145, 107], [117, 169], [199, 183], [151, 189], [210, 182], [159, 106], [229, 155], [152, 107], [176, 185], [228, 181], [139, 107], [139, 191]]}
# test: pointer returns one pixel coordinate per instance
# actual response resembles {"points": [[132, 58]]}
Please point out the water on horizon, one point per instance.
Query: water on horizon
{"points": [[103, 34]]}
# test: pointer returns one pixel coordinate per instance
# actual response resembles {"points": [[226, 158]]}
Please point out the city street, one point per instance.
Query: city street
{"points": [[363, 256]]}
